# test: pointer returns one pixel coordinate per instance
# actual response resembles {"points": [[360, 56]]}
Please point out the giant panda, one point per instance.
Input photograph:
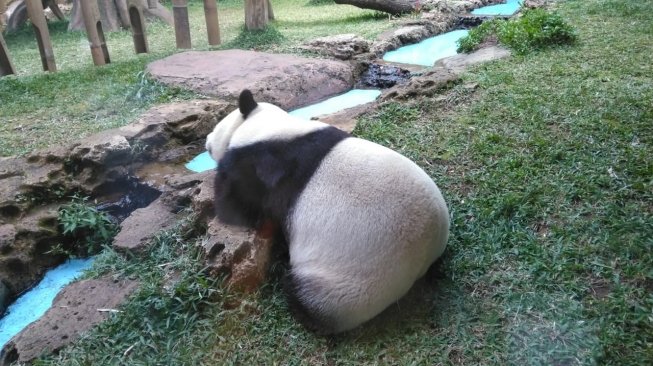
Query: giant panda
{"points": [[362, 222]]}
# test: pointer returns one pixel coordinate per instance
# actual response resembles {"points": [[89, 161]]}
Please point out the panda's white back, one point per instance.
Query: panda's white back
{"points": [[367, 225]]}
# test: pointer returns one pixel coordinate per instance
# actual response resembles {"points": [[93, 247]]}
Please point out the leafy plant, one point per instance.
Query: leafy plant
{"points": [[477, 35], [535, 30], [89, 228]]}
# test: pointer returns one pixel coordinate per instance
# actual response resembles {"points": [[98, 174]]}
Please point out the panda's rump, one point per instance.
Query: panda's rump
{"points": [[365, 203], [366, 226]]}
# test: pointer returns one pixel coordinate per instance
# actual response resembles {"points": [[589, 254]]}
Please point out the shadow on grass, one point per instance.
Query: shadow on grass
{"points": [[256, 39], [312, 23], [26, 32]]}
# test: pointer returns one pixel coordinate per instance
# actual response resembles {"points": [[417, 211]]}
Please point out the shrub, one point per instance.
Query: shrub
{"points": [[477, 35], [534, 30], [88, 228]]}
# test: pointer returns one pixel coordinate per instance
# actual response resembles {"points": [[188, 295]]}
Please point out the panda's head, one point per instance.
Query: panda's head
{"points": [[255, 122], [217, 142]]}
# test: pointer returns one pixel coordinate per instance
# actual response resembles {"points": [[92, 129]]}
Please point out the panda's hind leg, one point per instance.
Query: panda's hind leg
{"points": [[299, 291]]}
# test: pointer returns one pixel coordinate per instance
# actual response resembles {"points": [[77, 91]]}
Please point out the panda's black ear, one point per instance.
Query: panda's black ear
{"points": [[246, 103]]}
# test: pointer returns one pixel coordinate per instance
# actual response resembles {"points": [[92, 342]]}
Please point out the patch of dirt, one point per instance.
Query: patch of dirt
{"points": [[600, 288]]}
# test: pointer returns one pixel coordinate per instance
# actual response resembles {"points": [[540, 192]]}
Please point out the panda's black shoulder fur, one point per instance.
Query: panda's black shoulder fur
{"points": [[262, 181]]}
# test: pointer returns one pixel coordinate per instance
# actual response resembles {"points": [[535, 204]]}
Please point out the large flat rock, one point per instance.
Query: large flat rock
{"points": [[142, 225], [285, 80]]}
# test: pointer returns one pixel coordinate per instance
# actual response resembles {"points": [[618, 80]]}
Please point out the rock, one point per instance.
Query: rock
{"points": [[105, 148], [76, 309], [7, 238], [202, 201], [457, 6], [284, 80], [458, 63], [137, 230], [427, 84], [4, 294], [187, 121], [382, 76], [346, 120], [531, 4], [412, 32], [24, 246], [241, 253], [341, 46]]}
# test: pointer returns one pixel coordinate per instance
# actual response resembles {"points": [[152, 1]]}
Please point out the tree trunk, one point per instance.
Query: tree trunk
{"points": [[256, 14], [394, 7], [114, 14]]}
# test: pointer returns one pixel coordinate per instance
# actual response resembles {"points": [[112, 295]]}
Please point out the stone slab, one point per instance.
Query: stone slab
{"points": [[284, 80], [458, 63], [142, 225]]}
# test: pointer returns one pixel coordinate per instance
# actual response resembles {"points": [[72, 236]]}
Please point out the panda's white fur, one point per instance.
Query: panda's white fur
{"points": [[368, 223]]}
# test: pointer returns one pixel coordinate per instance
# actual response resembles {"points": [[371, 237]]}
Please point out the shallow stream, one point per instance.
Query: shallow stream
{"points": [[31, 305]]}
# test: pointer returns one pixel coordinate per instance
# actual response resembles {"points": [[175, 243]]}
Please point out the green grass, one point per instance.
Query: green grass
{"points": [[40, 109], [547, 170]]}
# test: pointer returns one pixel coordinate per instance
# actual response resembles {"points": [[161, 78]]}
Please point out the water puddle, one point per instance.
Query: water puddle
{"points": [[352, 98], [201, 163], [428, 51], [509, 8], [34, 303], [338, 103]]}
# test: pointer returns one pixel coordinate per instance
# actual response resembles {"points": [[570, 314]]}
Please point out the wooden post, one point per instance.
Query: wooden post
{"points": [[54, 7], [212, 23], [6, 67], [270, 12], [35, 12], [3, 10], [94, 32], [256, 14], [182, 27], [137, 21]]}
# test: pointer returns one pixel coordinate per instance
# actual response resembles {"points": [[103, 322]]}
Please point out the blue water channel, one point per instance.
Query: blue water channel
{"points": [[352, 98], [34, 303], [338, 103], [509, 8], [428, 51]]}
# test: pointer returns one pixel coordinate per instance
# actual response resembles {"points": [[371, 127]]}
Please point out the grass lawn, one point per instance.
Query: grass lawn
{"points": [[546, 163]]}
